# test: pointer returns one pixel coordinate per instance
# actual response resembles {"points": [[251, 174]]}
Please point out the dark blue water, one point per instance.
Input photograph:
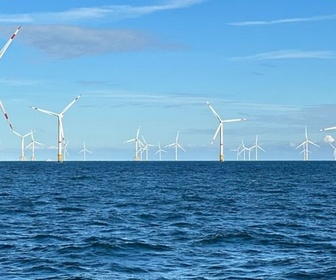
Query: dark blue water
{"points": [[167, 220]]}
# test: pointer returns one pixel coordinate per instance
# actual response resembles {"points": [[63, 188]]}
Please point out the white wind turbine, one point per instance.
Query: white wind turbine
{"points": [[22, 156], [145, 147], [305, 145], [256, 147], [138, 144], [84, 151], [32, 145], [334, 153], [5, 47], [237, 151], [159, 151], [60, 125], [176, 145], [220, 129], [243, 150], [65, 150]]}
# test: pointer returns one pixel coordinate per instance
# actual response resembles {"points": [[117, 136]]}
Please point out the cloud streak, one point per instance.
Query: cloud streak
{"points": [[289, 54], [63, 41], [111, 13], [284, 21]]}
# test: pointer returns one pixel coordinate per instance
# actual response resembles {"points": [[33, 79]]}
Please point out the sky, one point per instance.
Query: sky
{"points": [[154, 64]]}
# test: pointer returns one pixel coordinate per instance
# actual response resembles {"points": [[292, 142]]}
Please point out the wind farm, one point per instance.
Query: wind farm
{"points": [[259, 119]]}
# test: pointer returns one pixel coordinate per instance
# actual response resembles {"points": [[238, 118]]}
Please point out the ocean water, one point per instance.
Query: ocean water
{"points": [[167, 220]]}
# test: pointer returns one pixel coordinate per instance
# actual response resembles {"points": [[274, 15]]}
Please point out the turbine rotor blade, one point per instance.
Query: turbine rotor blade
{"points": [[5, 47], [70, 104]]}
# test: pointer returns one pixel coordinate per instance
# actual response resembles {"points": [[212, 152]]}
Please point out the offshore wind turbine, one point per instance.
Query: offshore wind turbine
{"points": [[65, 151], [145, 147], [22, 156], [305, 145], [84, 151], [220, 129], [256, 147], [5, 47], [138, 144], [32, 145], [176, 145], [159, 151], [60, 125]]}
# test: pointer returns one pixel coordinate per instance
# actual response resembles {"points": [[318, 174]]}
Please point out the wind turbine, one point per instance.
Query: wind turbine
{"points": [[60, 125], [84, 151], [159, 151], [65, 150], [138, 144], [220, 129], [237, 151], [32, 145], [176, 145], [256, 147], [22, 157], [305, 145], [5, 47], [243, 150], [334, 153], [145, 147]]}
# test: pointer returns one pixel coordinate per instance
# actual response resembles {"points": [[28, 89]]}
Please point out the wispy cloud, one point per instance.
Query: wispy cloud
{"points": [[111, 12], [63, 41], [287, 20], [289, 54]]}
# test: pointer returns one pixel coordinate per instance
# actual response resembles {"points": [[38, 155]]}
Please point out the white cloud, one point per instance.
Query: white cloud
{"points": [[288, 20], [289, 54], [111, 12]]}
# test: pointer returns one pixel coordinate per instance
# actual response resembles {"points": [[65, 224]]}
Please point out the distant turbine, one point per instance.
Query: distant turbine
{"points": [[138, 144], [65, 151], [84, 151], [145, 147], [176, 145], [159, 151], [305, 145], [220, 129], [237, 151], [243, 150], [256, 147], [32, 145], [5, 47], [22, 156], [60, 126]]}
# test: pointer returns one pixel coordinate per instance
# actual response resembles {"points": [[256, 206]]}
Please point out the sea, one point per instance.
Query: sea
{"points": [[168, 220]]}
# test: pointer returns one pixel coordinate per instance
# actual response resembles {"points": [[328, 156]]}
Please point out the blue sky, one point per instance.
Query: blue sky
{"points": [[155, 63]]}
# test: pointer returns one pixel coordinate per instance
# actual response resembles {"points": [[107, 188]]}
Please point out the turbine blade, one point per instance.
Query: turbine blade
{"points": [[233, 120], [45, 111], [215, 135], [6, 115], [5, 47], [70, 104], [328, 128], [214, 112]]}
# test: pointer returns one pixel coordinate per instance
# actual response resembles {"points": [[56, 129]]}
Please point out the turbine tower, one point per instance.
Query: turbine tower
{"points": [[176, 145], [220, 129], [138, 144], [22, 156], [5, 47], [60, 125], [84, 151], [305, 145]]}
